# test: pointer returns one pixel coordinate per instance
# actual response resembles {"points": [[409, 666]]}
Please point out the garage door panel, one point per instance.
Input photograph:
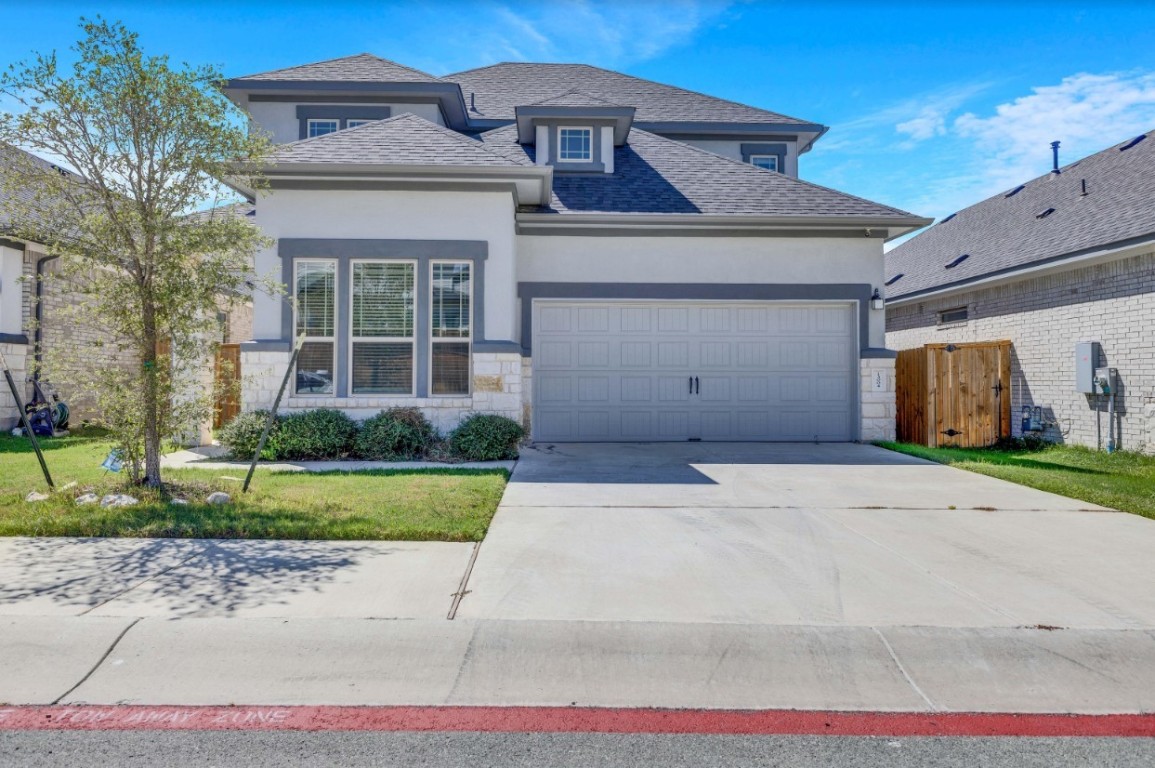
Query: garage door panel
{"points": [[684, 370]]}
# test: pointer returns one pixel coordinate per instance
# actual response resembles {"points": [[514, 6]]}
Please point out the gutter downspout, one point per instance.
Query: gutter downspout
{"points": [[38, 333]]}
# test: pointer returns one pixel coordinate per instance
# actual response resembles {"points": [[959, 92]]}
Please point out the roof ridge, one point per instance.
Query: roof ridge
{"points": [[574, 91], [362, 54], [756, 169]]}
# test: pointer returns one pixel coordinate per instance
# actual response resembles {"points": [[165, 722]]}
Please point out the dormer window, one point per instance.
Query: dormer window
{"points": [[769, 162], [575, 145], [321, 127]]}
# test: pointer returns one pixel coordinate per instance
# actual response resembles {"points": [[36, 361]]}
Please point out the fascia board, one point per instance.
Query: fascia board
{"points": [[701, 221]]}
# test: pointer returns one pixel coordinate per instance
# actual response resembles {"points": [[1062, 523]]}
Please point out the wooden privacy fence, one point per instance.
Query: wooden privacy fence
{"points": [[228, 384], [956, 395]]}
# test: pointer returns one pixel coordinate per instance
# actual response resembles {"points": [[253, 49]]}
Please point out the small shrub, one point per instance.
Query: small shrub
{"points": [[485, 437], [1029, 442], [324, 433], [242, 434], [395, 434]]}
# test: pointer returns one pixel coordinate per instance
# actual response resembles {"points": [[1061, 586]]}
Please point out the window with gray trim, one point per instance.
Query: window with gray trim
{"points": [[356, 123], [575, 145], [452, 321], [315, 315], [382, 324], [320, 127], [769, 162]]}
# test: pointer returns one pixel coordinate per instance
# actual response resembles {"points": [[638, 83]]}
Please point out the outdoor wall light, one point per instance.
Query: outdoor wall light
{"points": [[876, 300]]}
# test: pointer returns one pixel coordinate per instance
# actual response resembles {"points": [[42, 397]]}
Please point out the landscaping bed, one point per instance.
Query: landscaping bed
{"points": [[1122, 480], [417, 505]]}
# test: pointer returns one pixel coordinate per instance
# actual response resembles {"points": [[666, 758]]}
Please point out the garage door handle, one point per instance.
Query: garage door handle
{"points": [[691, 385], [697, 386]]}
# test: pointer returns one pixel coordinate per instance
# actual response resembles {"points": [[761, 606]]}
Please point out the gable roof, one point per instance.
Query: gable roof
{"points": [[500, 88], [656, 175], [13, 159], [362, 67], [402, 140], [1013, 230]]}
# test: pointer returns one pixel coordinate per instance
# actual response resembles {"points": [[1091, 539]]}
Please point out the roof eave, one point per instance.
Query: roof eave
{"points": [[871, 226]]}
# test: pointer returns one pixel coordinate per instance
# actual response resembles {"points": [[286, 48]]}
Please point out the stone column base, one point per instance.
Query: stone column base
{"points": [[877, 405]]}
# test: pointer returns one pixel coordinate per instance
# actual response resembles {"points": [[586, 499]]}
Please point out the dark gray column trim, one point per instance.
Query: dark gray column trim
{"points": [[15, 245], [13, 338], [338, 112], [424, 252], [496, 346], [878, 353], [266, 345], [859, 292]]}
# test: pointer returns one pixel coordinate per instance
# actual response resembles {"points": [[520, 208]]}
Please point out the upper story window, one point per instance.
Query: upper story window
{"points": [[355, 123], [321, 127], [575, 145], [769, 162]]}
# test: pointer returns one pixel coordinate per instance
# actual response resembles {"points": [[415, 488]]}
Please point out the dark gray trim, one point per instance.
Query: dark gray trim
{"points": [[393, 184], [15, 245], [343, 114], [13, 338], [424, 252], [496, 346], [626, 229], [367, 99], [878, 354], [959, 284], [448, 95], [859, 292], [777, 150], [266, 345]]}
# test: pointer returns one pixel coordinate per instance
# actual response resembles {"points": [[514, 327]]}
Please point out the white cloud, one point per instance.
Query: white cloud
{"points": [[930, 122], [1086, 112]]}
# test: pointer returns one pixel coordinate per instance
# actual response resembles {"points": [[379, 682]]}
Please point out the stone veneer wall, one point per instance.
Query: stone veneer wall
{"points": [[877, 407], [1112, 303], [16, 356], [497, 388]]}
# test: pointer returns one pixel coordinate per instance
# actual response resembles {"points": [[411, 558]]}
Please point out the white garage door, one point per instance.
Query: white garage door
{"points": [[673, 370]]}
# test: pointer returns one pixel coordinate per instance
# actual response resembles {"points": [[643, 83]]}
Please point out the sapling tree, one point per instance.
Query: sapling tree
{"points": [[148, 143]]}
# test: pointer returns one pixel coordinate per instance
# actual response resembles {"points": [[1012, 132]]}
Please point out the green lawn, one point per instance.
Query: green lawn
{"points": [[1124, 481], [424, 505]]}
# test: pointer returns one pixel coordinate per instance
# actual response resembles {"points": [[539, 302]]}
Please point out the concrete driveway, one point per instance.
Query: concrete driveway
{"points": [[800, 534]]}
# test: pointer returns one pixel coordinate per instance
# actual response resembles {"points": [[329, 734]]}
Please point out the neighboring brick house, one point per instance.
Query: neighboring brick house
{"points": [[1065, 258], [604, 257]]}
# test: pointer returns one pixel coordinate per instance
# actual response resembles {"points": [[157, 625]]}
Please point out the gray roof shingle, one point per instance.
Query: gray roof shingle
{"points": [[363, 67], [655, 175], [1003, 233], [402, 140], [502, 87]]}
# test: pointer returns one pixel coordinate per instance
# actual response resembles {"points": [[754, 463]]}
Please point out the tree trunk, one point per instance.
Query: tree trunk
{"points": [[149, 370]]}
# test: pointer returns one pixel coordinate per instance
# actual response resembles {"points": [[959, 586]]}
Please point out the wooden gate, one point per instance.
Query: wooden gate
{"points": [[956, 395], [228, 384]]}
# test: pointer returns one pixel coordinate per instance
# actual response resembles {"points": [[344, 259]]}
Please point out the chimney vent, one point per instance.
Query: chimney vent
{"points": [[1055, 154]]}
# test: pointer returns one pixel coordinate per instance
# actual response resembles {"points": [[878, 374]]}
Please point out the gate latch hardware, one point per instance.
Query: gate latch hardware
{"points": [[951, 432]]}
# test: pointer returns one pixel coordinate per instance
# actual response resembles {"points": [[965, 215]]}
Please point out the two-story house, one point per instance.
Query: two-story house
{"points": [[602, 257]]}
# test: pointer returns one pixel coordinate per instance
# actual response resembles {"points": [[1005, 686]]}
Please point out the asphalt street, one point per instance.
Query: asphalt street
{"points": [[511, 750]]}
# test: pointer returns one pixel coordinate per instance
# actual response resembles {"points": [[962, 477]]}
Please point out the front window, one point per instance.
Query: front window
{"points": [[769, 162], [575, 144], [321, 127], [451, 311], [315, 293], [382, 328]]}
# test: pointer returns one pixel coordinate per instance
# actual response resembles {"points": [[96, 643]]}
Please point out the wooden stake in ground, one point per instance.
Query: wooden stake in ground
{"points": [[273, 412], [24, 421]]}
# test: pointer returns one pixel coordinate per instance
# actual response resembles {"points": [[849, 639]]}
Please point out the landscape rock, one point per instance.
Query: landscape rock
{"points": [[219, 497], [118, 500], [68, 486], [36, 496], [180, 502], [88, 498]]}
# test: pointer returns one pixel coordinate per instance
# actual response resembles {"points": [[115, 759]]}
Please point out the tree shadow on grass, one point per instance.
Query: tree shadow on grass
{"points": [[183, 576]]}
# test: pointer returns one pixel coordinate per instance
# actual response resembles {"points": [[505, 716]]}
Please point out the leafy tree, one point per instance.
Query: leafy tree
{"points": [[150, 143]]}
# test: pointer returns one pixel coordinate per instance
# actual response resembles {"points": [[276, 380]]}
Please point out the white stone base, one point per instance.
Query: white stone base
{"points": [[16, 356], [877, 405]]}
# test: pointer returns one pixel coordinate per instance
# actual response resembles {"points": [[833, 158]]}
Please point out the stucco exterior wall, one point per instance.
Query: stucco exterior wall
{"points": [[279, 119], [1112, 303]]}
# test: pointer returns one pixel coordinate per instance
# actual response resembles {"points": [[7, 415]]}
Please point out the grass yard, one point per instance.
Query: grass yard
{"points": [[426, 505], [1124, 481]]}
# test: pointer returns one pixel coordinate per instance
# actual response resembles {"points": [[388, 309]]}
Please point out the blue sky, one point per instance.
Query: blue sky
{"points": [[931, 105]]}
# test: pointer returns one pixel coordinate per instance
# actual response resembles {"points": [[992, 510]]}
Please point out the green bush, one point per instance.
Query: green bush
{"points": [[324, 433], [395, 434], [242, 434], [485, 437]]}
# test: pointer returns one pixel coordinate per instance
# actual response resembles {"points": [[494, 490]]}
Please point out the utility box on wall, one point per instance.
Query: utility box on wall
{"points": [[1086, 361]]}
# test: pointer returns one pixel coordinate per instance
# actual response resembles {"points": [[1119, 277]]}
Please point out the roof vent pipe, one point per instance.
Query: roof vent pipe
{"points": [[472, 101], [1084, 192], [1055, 153]]}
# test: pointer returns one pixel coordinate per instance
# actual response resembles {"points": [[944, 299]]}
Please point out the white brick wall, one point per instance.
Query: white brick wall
{"points": [[1111, 303]]}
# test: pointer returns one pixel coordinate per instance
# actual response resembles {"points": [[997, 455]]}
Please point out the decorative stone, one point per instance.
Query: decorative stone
{"points": [[119, 500], [219, 497], [487, 383], [88, 498], [68, 486], [180, 502], [36, 496]]}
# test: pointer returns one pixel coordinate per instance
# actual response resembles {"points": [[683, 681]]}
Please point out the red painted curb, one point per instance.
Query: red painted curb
{"points": [[570, 720]]}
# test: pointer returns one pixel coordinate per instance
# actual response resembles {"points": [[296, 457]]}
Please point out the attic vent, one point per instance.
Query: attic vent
{"points": [[1016, 190], [958, 261], [948, 218], [1044, 214], [895, 279], [1132, 142]]}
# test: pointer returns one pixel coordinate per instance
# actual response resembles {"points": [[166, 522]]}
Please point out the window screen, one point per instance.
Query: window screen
{"points": [[315, 294], [382, 328], [451, 328]]}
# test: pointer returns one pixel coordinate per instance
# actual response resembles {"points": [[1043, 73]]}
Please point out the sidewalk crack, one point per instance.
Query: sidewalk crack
{"points": [[901, 668], [99, 661]]}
